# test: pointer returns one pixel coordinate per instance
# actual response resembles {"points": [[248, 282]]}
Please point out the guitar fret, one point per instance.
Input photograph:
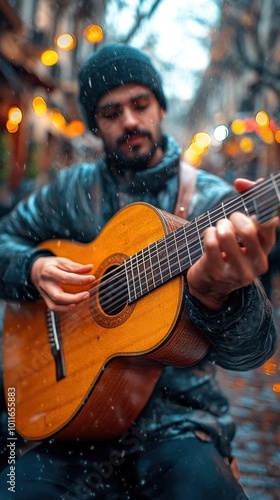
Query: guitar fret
{"points": [[256, 209], [156, 265], [198, 234], [209, 218], [185, 259], [128, 273], [144, 288], [138, 270], [245, 206], [160, 267], [151, 266], [178, 262], [276, 188], [166, 270], [224, 211], [168, 260], [187, 246], [132, 277]]}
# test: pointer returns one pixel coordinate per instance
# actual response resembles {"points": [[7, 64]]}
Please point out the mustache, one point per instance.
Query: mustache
{"points": [[128, 135]]}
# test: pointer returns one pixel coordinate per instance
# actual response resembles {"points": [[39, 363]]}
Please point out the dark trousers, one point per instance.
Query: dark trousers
{"points": [[179, 469]]}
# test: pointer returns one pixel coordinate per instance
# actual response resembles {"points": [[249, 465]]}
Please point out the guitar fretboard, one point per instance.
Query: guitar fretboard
{"points": [[173, 254]]}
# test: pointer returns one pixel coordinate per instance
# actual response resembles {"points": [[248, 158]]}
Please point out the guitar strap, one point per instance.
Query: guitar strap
{"points": [[187, 178]]}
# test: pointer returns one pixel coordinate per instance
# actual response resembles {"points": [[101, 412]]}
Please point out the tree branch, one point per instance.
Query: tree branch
{"points": [[140, 17]]}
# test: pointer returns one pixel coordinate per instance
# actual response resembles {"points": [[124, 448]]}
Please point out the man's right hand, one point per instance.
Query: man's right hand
{"points": [[48, 274]]}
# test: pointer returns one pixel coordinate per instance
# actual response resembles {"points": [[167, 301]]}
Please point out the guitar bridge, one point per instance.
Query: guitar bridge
{"points": [[55, 344]]}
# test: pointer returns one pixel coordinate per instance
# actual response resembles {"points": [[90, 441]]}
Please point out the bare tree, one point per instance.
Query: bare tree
{"points": [[248, 40]]}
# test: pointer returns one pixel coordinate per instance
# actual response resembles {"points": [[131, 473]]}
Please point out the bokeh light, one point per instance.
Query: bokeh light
{"points": [[75, 128], [199, 145], [93, 33], [66, 41], [246, 144], [57, 119], [277, 136], [15, 115], [262, 119], [49, 57], [238, 127], [11, 127], [220, 133], [39, 106]]}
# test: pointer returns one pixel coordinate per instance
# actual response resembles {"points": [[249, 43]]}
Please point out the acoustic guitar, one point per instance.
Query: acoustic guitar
{"points": [[88, 373]]}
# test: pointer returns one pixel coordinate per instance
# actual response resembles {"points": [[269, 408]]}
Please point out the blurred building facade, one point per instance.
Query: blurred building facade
{"points": [[39, 117], [238, 102]]}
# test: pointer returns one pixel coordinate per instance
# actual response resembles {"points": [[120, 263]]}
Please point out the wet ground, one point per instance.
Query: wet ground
{"points": [[255, 404]]}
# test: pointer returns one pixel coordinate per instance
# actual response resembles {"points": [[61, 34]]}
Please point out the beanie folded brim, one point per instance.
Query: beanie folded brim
{"points": [[110, 67]]}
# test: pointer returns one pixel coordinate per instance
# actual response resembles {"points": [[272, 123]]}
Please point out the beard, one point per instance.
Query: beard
{"points": [[121, 162]]}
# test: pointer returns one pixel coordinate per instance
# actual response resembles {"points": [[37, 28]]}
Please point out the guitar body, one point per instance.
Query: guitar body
{"points": [[111, 362]]}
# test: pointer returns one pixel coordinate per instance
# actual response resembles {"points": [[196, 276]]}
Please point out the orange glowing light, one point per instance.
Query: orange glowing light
{"points": [[49, 57], [15, 115], [57, 119], [231, 148], [39, 106], [270, 367], [75, 128], [66, 41], [93, 33], [246, 144], [191, 156], [238, 127], [202, 139], [276, 387], [262, 119], [11, 127], [277, 136], [267, 135]]}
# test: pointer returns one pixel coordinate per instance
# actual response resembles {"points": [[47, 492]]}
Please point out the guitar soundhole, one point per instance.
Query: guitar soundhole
{"points": [[109, 305], [113, 294]]}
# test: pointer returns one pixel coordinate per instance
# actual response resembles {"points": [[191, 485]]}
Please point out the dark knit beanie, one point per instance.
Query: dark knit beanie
{"points": [[113, 65]]}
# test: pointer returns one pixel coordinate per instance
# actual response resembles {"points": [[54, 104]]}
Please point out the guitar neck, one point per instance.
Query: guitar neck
{"points": [[173, 254]]}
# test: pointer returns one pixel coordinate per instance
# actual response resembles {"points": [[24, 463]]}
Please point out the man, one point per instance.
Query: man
{"points": [[180, 444]]}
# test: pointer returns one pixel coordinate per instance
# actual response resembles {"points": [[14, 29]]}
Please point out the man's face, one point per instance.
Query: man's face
{"points": [[128, 120]]}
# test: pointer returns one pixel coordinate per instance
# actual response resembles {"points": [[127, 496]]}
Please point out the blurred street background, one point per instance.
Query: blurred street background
{"points": [[220, 61]]}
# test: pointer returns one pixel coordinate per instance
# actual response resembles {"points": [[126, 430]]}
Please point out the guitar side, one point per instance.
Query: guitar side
{"points": [[111, 361]]}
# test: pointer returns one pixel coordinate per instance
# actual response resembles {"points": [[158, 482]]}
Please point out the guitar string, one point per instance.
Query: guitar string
{"points": [[187, 233]]}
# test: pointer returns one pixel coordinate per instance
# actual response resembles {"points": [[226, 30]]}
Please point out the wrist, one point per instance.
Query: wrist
{"points": [[214, 302]]}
